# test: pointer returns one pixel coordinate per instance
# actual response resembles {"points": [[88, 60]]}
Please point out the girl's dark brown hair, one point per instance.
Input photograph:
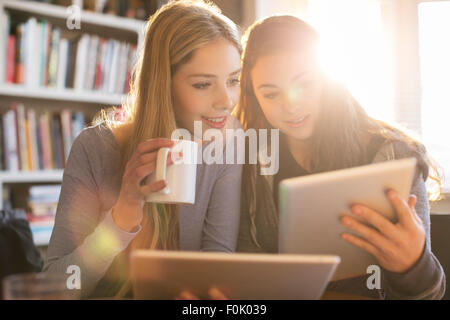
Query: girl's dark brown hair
{"points": [[341, 134]]}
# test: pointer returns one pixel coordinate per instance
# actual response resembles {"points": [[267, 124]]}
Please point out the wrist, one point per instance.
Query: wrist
{"points": [[123, 219]]}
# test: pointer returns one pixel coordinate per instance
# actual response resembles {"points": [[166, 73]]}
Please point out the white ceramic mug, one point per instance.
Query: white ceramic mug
{"points": [[180, 176]]}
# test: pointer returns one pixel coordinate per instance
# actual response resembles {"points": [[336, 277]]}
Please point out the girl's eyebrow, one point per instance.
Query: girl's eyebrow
{"points": [[267, 86], [298, 76], [207, 75], [235, 72]]}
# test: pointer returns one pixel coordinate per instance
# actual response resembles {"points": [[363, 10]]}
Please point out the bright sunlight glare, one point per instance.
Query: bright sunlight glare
{"points": [[355, 50], [434, 32]]}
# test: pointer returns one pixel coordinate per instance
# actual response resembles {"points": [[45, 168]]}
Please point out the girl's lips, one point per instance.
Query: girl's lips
{"points": [[217, 122], [299, 123]]}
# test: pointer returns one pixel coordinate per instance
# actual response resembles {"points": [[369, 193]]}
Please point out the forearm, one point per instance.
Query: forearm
{"points": [[94, 255], [425, 280]]}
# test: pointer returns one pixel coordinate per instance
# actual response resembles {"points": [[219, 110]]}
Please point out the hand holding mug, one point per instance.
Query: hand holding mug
{"points": [[128, 210]]}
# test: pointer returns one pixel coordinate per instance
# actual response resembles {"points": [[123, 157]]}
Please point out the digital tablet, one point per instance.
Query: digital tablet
{"points": [[310, 209], [163, 274]]}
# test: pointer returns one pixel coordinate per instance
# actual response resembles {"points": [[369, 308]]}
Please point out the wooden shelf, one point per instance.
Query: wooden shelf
{"points": [[31, 176], [60, 12], [44, 93]]}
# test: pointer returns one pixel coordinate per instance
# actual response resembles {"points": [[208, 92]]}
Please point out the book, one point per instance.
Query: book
{"points": [[63, 55], [28, 139], [44, 193], [44, 45], [2, 152], [91, 63], [33, 139], [10, 57], [40, 150], [40, 220], [44, 126], [43, 209], [71, 60], [22, 138], [66, 123], [131, 62], [81, 62], [99, 64], [31, 47], [114, 67], [10, 141], [54, 55], [58, 149], [77, 124], [19, 68], [106, 65], [123, 64], [4, 28]]}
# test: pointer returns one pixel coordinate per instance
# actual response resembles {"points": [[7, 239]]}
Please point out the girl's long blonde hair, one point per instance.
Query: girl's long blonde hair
{"points": [[172, 35]]}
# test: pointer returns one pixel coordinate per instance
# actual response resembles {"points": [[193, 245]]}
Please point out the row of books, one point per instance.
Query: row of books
{"points": [[43, 201], [37, 140], [39, 56], [41, 211], [136, 9]]}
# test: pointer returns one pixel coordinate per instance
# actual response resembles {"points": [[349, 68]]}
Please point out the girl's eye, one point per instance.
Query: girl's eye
{"points": [[271, 96], [202, 85], [234, 82]]}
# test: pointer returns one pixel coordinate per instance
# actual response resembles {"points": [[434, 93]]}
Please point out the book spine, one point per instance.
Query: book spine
{"points": [[40, 150], [91, 63], [66, 122], [22, 137], [11, 149], [81, 61], [5, 25], [34, 155], [31, 52], [71, 60], [122, 73], [10, 57], [28, 142], [107, 64], [47, 44], [2, 146], [42, 51], [57, 141], [46, 141], [62, 63], [131, 61], [53, 57], [77, 124], [20, 55], [114, 67]]}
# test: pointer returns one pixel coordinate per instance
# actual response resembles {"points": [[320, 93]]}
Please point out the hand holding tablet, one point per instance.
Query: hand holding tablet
{"points": [[311, 209]]}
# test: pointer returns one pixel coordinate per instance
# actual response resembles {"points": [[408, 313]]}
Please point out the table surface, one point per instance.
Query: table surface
{"points": [[331, 295]]}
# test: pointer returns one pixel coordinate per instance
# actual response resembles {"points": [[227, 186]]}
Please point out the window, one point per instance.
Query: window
{"points": [[434, 32], [355, 50]]}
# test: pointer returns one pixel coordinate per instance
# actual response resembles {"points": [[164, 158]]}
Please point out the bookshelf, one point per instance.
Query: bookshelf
{"points": [[55, 99], [63, 95]]}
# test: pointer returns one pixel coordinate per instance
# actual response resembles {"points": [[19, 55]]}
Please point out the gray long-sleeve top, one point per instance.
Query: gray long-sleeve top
{"points": [[85, 234]]}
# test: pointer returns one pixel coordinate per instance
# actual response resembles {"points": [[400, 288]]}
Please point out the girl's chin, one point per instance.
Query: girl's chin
{"points": [[298, 134]]}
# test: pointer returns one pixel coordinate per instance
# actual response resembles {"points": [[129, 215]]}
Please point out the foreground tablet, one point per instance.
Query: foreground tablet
{"points": [[163, 274]]}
